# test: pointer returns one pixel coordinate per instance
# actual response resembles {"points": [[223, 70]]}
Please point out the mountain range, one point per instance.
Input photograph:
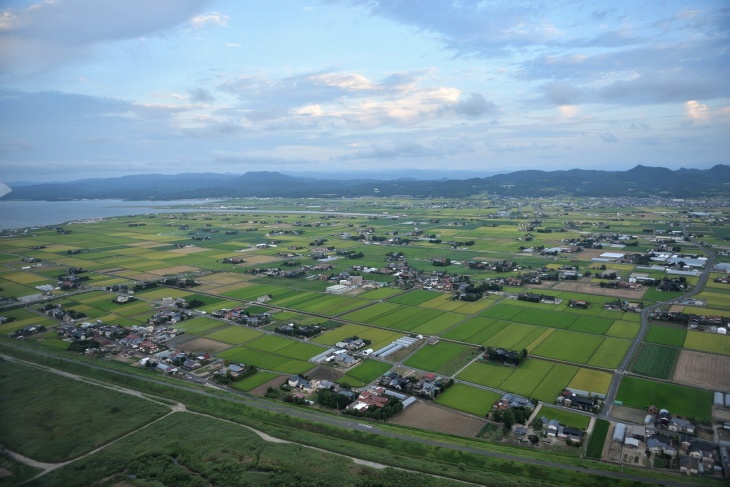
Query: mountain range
{"points": [[639, 181]]}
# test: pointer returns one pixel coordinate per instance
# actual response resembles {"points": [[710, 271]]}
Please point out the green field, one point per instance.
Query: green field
{"points": [[666, 335], [569, 346], [253, 381], [468, 399], [656, 361], [235, 334], [366, 372], [433, 357], [678, 400], [40, 414], [566, 417]]}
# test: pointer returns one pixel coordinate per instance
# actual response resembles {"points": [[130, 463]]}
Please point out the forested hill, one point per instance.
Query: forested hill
{"points": [[639, 181]]}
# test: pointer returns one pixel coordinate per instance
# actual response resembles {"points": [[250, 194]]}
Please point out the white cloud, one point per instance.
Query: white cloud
{"points": [[697, 111], [210, 18], [47, 34]]}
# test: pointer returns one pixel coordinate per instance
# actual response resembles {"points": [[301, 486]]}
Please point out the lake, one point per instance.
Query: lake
{"points": [[21, 214], [25, 214]]}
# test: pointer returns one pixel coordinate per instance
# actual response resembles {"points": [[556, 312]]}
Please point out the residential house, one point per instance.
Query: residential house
{"points": [[689, 465], [552, 427], [681, 425]]}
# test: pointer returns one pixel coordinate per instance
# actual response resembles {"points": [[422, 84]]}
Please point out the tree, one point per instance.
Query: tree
{"points": [[508, 418]]}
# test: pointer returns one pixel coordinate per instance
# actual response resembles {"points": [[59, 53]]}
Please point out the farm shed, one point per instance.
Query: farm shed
{"points": [[719, 399], [409, 401], [632, 443], [618, 432]]}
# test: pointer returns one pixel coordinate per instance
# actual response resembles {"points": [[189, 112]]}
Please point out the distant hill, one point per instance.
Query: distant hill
{"points": [[639, 181]]}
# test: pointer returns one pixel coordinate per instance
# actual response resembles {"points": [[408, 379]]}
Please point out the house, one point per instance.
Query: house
{"points": [[664, 418], [512, 401], [369, 398], [552, 427], [298, 382], [631, 443], [681, 425], [234, 370], [689, 465], [577, 402], [167, 369]]}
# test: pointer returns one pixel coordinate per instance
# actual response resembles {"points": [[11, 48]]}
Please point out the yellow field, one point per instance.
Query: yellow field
{"points": [[707, 342], [591, 380], [23, 277]]}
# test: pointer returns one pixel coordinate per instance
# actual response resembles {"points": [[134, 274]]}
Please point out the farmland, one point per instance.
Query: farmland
{"points": [[468, 399], [578, 347], [679, 400], [656, 361]]}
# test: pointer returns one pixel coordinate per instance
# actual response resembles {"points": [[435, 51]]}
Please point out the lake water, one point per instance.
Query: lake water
{"points": [[21, 214], [24, 214]]}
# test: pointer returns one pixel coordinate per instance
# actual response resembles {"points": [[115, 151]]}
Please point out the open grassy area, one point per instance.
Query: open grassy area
{"points": [[468, 399], [566, 417], [433, 357], [51, 418], [707, 342], [679, 400]]}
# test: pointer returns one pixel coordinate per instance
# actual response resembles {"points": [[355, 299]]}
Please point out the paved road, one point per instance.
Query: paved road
{"points": [[613, 389]]}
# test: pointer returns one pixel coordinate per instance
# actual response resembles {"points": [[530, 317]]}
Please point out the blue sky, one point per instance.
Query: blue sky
{"points": [[102, 88]]}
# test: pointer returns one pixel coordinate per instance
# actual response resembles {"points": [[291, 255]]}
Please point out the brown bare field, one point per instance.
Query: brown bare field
{"points": [[584, 287], [140, 276], [275, 383], [223, 278], [112, 270], [179, 269], [703, 370], [322, 372], [261, 259], [429, 416], [627, 414], [188, 250], [204, 345]]}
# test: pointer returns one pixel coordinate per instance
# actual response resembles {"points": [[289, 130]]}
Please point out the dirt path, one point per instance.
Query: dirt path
{"points": [[176, 408]]}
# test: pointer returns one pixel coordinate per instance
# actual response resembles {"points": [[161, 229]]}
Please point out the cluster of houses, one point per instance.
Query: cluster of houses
{"points": [[427, 386], [172, 361], [695, 456], [623, 306], [663, 419], [240, 315], [553, 429], [571, 399], [539, 298], [302, 331], [171, 314], [714, 323]]}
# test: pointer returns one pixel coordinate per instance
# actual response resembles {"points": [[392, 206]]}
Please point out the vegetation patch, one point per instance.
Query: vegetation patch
{"points": [[666, 335], [591, 380], [598, 439], [469, 399], [433, 357], [708, 342], [656, 361], [50, 418], [678, 400]]}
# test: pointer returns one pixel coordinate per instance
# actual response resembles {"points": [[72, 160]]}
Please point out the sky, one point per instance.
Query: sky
{"points": [[104, 88]]}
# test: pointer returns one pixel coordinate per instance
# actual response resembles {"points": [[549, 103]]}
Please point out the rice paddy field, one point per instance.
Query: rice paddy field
{"points": [[567, 346]]}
